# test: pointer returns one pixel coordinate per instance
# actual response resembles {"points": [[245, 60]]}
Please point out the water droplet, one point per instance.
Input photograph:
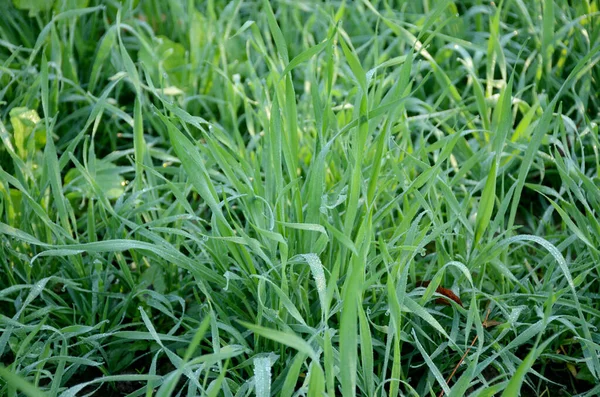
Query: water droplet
{"points": [[387, 312], [423, 252]]}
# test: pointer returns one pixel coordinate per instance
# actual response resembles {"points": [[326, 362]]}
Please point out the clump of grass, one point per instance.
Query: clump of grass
{"points": [[277, 198]]}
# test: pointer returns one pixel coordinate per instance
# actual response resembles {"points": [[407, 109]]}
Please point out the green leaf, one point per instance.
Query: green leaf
{"points": [[432, 367], [424, 314], [316, 268], [285, 338], [306, 55], [548, 35], [164, 58], [262, 376], [34, 6], [20, 383], [348, 330], [193, 163], [280, 43], [316, 381], [366, 351], [24, 122], [516, 381], [354, 63], [461, 386], [105, 47], [486, 204], [289, 384], [154, 276], [139, 144], [107, 176]]}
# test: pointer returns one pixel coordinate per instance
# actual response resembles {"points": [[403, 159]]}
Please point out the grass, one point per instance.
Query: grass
{"points": [[297, 198]]}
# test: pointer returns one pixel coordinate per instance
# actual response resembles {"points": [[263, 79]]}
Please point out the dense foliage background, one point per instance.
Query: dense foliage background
{"points": [[296, 198]]}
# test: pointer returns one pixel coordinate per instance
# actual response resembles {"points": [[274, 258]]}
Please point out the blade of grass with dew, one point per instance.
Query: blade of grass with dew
{"points": [[347, 328], [430, 364], [316, 268], [196, 170], [168, 387], [139, 144], [50, 157], [287, 339], [262, 376], [366, 351], [486, 203], [542, 127], [547, 35]]}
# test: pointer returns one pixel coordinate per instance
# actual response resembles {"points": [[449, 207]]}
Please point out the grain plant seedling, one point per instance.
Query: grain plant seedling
{"points": [[298, 198]]}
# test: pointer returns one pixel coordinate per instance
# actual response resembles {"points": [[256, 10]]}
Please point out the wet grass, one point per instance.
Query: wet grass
{"points": [[296, 198]]}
